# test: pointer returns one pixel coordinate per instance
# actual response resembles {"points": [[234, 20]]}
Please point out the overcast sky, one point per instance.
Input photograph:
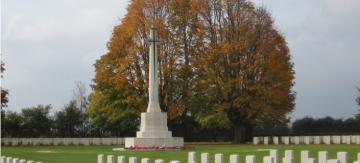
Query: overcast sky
{"points": [[49, 45]]}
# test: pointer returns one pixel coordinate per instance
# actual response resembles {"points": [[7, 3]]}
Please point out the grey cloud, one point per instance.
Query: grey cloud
{"points": [[48, 45]]}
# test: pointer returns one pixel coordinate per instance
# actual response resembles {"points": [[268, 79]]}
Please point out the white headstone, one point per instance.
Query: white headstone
{"points": [[30, 161], [22, 161], [333, 161], [317, 140], [121, 159], [234, 158], [287, 160], [15, 160], [110, 159], [353, 139], [8, 159], [192, 157], [268, 159], [304, 156], [289, 154], [132, 160], [101, 158], [339, 139], [204, 157], [3, 159], [358, 156], [348, 139], [297, 140], [307, 140], [255, 140], [311, 160], [266, 140], [159, 161], [219, 158], [174, 161], [250, 159], [301, 139], [292, 139], [145, 160], [326, 139], [275, 155], [342, 157], [276, 140], [323, 156], [343, 139], [334, 140], [286, 140]]}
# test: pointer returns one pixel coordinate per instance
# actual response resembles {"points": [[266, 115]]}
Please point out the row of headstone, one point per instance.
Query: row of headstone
{"points": [[121, 159], [4, 159], [345, 139], [305, 157], [273, 157], [61, 141]]}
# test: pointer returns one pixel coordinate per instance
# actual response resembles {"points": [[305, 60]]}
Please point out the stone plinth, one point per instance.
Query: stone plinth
{"points": [[154, 132], [149, 142], [153, 125]]}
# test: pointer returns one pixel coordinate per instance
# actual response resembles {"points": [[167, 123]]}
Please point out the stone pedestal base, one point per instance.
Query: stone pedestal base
{"points": [[149, 142]]}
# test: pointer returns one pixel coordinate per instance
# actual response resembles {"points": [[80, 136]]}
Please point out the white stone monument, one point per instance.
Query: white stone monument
{"points": [[153, 127]]}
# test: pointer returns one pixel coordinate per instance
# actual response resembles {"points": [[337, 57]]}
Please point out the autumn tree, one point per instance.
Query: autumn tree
{"points": [[248, 71], [121, 80], [221, 63]]}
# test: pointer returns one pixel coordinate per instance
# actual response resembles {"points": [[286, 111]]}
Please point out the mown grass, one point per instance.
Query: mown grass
{"points": [[88, 154]]}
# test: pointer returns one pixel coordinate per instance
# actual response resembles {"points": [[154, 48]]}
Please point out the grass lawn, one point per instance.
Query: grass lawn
{"points": [[88, 154]]}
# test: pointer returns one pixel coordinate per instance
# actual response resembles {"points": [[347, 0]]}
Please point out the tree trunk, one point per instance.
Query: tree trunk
{"points": [[242, 134], [239, 134]]}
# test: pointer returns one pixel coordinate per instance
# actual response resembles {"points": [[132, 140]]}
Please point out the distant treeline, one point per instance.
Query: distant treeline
{"points": [[70, 121], [313, 126]]}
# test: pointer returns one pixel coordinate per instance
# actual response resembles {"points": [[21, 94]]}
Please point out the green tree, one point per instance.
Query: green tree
{"points": [[11, 124], [68, 122], [37, 121]]}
